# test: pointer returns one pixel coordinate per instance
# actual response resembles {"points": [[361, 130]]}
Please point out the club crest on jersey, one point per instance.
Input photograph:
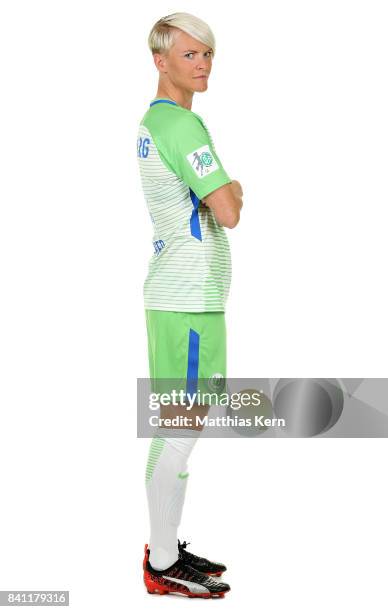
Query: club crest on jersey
{"points": [[202, 161]]}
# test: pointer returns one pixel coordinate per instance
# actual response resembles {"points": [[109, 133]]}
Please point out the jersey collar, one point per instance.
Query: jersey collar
{"points": [[159, 100]]}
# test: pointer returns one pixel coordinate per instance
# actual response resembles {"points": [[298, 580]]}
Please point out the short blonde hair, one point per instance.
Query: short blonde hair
{"points": [[161, 37]]}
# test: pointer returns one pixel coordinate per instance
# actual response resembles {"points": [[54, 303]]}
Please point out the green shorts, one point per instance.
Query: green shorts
{"points": [[188, 348]]}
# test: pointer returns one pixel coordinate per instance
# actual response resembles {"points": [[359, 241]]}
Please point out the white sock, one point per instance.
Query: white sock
{"points": [[166, 482]]}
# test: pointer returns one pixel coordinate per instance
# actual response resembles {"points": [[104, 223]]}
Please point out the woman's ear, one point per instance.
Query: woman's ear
{"points": [[160, 61]]}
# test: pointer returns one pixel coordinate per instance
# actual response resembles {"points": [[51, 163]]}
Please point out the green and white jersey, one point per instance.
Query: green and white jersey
{"points": [[190, 269]]}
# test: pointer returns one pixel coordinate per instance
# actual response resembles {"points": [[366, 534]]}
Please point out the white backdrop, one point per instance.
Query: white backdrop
{"points": [[297, 109]]}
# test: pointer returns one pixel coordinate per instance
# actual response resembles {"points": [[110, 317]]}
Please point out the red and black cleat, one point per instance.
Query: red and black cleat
{"points": [[181, 578], [211, 568]]}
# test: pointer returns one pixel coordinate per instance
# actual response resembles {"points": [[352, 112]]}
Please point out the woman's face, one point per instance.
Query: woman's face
{"points": [[188, 63]]}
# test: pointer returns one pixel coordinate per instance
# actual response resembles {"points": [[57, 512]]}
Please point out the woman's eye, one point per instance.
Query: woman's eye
{"points": [[207, 54]]}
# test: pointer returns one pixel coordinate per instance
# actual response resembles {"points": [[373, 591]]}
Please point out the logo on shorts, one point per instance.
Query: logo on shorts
{"points": [[202, 161], [216, 382]]}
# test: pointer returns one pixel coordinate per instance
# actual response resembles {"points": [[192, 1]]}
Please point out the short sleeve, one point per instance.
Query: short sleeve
{"points": [[193, 158]]}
